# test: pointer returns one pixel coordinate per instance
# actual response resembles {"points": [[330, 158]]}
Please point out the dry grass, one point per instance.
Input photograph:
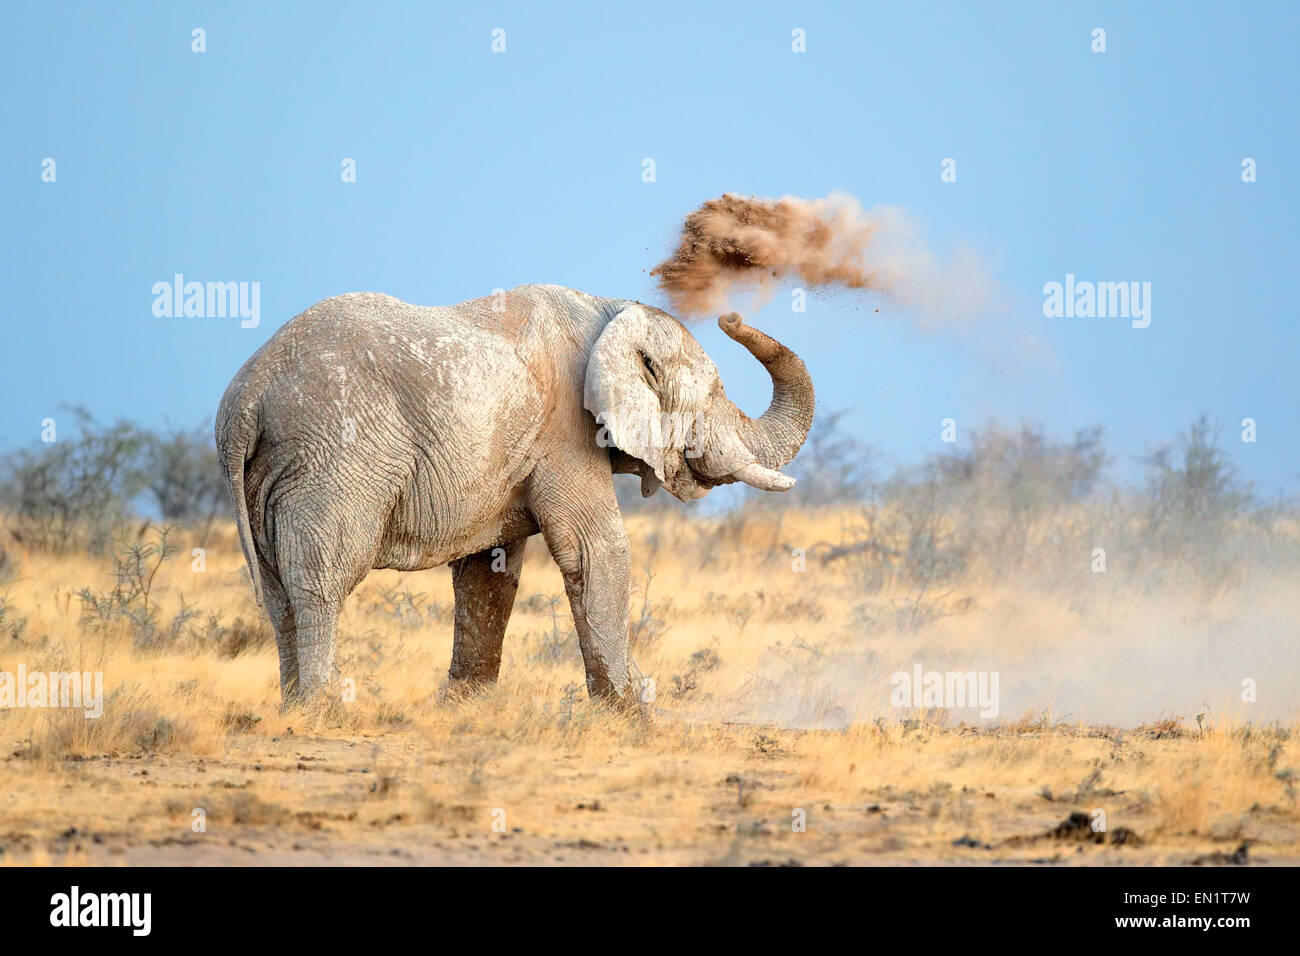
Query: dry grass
{"points": [[772, 706]]}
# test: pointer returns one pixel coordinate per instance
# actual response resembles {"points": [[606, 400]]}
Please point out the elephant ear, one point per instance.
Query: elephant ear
{"points": [[617, 393]]}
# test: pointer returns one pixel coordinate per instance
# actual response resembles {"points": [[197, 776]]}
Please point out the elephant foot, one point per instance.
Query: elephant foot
{"points": [[288, 685], [629, 699], [299, 699], [310, 693]]}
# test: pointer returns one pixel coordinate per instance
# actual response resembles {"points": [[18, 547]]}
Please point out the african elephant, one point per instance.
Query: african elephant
{"points": [[371, 433]]}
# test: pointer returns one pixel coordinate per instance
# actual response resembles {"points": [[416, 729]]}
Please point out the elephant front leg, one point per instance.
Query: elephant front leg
{"points": [[591, 548], [485, 584]]}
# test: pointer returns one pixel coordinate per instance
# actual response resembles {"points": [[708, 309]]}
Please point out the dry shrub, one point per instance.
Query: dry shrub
{"points": [[132, 723], [1183, 809], [243, 636]]}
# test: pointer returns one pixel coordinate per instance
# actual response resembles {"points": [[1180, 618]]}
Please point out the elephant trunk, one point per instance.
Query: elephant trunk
{"points": [[776, 435]]}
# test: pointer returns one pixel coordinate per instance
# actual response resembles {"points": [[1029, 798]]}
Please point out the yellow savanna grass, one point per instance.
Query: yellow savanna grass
{"points": [[772, 734]]}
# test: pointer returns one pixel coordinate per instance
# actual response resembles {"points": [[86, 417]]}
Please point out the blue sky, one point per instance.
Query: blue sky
{"points": [[478, 170]]}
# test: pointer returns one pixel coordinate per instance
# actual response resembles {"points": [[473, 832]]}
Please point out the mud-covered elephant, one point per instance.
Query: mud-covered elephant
{"points": [[371, 433]]}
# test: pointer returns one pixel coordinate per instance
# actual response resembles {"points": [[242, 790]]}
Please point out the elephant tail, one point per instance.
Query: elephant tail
{"points": [[237, 446]]}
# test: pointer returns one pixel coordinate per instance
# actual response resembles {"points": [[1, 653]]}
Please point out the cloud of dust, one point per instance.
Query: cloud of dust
{"points": [[1126, 662], [739, 244]]}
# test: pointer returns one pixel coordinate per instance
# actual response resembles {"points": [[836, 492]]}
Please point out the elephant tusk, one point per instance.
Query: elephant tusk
{"points": [[762, 478]]}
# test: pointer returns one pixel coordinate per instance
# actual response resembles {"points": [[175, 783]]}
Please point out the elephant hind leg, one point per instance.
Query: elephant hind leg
{"points": [[322, 552], [485, 584], [315, 625], [280, 612]]}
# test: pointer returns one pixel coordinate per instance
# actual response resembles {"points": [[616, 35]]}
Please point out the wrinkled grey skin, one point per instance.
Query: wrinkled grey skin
{"points": [[370, 433]]}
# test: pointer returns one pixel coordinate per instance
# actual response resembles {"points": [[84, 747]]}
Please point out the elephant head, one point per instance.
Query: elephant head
{"points": [[660, 401]]}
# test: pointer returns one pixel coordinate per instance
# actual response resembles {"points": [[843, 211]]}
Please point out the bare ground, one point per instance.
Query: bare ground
{"points": [[730, 797]]}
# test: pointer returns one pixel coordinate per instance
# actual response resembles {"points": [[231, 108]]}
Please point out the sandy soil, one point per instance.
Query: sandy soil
{"points": [[668, 795]]}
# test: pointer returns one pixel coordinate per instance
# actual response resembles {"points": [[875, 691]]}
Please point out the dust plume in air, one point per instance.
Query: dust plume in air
{"points": [[737, 245]]}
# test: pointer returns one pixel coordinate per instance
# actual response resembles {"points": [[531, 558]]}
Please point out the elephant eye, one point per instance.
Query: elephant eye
{"points": [[649, 364]]}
